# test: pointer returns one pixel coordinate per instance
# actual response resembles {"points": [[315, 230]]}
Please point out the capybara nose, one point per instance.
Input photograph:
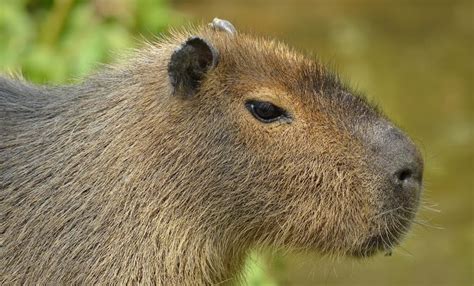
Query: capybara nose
{"points": [[409, 176], [401, 160]]}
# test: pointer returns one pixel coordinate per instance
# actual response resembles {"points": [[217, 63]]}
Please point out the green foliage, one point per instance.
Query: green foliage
{"points": [[56, 40], [256, 273]]}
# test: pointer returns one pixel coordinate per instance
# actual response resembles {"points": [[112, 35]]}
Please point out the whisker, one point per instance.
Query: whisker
{"points": [[405, 251], [427, 225], [431, 208], [386, 212]]}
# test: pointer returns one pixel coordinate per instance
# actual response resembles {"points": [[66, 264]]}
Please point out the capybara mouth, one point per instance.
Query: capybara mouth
{"points": [[385, 241], [376, 244]]}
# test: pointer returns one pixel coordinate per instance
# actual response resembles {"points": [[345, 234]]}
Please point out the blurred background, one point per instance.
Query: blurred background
{"points": [[414, 58]]}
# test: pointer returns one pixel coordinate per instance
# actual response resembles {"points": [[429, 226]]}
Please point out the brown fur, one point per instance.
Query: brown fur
{"points": [[116, 180]]}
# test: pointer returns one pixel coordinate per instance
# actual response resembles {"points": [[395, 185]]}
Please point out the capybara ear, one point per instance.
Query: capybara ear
{"points": [[189, 64]]}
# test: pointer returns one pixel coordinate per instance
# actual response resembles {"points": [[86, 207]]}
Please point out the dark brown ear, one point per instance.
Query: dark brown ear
{"points": [[189, 64]]}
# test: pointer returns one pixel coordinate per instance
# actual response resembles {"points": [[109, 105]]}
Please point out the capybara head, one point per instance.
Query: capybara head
{"points": [[299, 159]]}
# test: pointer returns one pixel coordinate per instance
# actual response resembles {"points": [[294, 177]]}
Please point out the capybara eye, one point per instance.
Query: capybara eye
{"points": [[266, 112]]}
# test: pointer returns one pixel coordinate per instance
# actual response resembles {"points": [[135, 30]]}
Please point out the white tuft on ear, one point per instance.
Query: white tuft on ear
{"points": [[223, 25]]}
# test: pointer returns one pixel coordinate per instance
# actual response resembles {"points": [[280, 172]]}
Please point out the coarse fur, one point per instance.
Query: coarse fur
{"points": [[119, 180]]}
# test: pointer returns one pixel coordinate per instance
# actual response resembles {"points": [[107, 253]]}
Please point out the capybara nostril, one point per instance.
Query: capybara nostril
{"points": [[404, 175], [409, 177]]}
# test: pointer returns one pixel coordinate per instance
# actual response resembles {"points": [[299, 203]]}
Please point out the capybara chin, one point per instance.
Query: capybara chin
{"points": [[168, 168]]}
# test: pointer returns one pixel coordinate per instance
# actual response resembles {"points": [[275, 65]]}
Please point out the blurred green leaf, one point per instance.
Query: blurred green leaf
{"points": [[256, 273], [55, 41]]}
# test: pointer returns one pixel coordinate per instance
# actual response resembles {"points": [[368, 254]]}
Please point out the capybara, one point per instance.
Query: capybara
{"points": [[168, 167]]}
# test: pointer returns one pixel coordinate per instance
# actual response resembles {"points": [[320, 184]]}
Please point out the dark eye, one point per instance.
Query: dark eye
{"points": [[266, 111]]}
